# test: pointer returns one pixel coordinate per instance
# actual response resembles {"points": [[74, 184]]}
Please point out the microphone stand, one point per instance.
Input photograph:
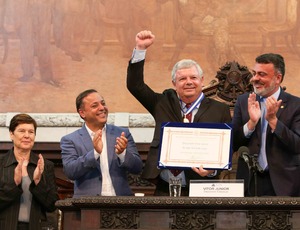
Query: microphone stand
{"points": [[255, 167]]}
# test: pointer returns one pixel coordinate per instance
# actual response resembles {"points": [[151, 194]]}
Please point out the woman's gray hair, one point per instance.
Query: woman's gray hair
{"points": [[185, 64]]}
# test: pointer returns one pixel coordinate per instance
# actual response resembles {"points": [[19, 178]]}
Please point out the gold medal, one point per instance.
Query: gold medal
{"points": [[185, 120]]}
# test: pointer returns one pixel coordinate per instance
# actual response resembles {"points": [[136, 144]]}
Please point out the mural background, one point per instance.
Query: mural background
{"points": [[51, 50]]}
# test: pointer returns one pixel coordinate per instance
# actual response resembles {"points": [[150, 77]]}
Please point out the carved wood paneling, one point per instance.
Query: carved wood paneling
{"points": [[269, 220], [119, 219], [191, 219], [262, 213]]}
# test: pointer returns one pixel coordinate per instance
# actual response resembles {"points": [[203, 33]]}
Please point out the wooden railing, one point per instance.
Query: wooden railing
{"points": [[261, 213]]}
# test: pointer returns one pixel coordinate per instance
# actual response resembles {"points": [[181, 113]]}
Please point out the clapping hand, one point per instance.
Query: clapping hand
{"points": [[18, 172], [97, 141], [21, 170], [121, 143], [37, 174]]}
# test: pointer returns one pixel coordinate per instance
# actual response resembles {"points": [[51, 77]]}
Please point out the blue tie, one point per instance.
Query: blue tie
{"points": [[262, 158]]}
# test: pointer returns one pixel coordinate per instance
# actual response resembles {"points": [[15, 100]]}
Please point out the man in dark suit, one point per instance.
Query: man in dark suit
{"points": [[278, 147], [98, 156], [171, 106]]}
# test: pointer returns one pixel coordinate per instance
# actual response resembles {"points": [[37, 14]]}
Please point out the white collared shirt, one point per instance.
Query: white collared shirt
{"points": [[107, 186]]}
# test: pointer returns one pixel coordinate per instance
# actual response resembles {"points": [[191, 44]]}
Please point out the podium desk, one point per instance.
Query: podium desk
{"points": [[89, 213]]}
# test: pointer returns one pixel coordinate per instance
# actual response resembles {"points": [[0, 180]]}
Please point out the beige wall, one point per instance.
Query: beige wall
{"points": [[89, 45]]}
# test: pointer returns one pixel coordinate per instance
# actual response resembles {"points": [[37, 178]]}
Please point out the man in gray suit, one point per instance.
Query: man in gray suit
{"points": [[172, 106], [98, 156]]}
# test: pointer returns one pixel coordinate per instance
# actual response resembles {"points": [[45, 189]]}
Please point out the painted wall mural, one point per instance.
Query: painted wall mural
{"points": [[51, 50]]}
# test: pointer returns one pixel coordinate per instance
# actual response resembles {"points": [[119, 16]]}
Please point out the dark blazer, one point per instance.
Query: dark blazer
{"points": [[282, 145], [165, 107], [44, 195], [81, 166]]}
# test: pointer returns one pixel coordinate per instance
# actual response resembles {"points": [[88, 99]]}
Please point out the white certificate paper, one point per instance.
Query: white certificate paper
{"points": [[192, 145]]}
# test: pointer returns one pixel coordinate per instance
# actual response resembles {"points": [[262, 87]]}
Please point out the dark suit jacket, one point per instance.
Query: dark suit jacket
{"points": [[282, 146], [81, 166], [165, 107], [44, 195]]}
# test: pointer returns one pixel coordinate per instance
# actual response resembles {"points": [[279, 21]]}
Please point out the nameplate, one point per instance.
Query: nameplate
{"points": [[216, 188]]}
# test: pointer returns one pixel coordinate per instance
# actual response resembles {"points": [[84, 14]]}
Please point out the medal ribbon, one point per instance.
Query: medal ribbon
{"points": [[194, 105]]}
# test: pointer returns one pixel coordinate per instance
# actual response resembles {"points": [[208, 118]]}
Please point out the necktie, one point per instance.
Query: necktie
{"points": [[262, 158], [189, 115], [175, 172]]}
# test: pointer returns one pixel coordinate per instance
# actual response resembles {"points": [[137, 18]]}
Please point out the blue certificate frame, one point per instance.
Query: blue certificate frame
{"points": [[186, 145]]}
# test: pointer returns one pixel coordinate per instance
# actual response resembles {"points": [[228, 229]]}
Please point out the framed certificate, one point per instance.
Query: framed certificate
{"points": [[185, 145]]}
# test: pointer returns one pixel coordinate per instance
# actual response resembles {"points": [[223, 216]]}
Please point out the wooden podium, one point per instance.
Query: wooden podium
{"points": [[89, 213]]}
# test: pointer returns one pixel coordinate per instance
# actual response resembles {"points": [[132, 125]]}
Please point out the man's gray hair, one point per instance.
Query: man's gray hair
{"points": [[185, 64]]}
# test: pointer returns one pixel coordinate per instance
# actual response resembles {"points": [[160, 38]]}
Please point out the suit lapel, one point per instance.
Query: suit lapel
{"points": [[86, 139], [202, 108], [33, 160], [283, 97], [175, 106]]}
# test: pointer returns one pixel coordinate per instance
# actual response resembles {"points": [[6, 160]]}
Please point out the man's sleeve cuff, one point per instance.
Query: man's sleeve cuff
{"points": [[138, 55]]}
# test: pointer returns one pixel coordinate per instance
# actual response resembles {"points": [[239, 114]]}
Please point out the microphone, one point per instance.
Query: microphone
{"points": [[251, 161], [259, 168], [244, 153]]}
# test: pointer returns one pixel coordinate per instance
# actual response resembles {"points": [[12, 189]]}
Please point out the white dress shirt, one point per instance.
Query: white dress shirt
{"points": [[107, 186]]}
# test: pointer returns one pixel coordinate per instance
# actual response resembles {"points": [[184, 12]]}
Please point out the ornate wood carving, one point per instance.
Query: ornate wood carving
{"points": [[191, 219], [234, 80], [250, 203], [262, 213], [269, 220], [118, 219]]}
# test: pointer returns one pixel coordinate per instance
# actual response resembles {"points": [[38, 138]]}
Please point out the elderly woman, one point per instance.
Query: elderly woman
{"points": [[27, 181]]}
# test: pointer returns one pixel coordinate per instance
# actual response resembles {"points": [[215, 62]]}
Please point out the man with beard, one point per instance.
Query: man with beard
{"points": [[267, 121]]}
